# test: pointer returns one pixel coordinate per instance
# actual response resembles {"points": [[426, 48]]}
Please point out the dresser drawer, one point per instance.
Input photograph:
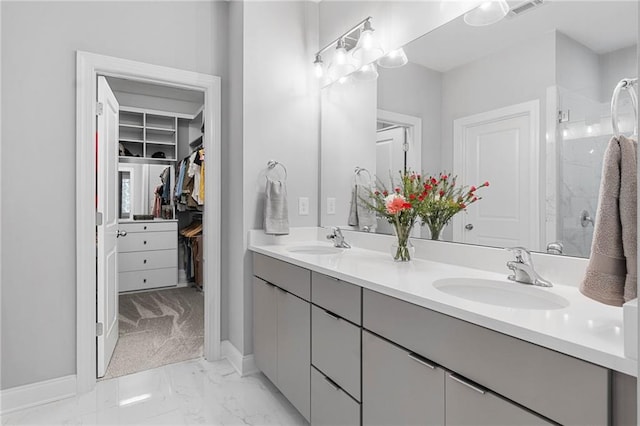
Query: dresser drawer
{"points": [[140, 280], [288, 277], [337, 296], [159, 226], [143, 260], [564, 389], [330, 405], [143, 241], [335, 349]]}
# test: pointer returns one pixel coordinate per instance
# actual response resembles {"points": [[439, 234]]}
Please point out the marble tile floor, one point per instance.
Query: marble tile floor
{"points": [[194, 392]]}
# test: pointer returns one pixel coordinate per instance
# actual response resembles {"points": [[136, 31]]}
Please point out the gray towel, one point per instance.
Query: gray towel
{"points": [[612, 275], [276, 213]]}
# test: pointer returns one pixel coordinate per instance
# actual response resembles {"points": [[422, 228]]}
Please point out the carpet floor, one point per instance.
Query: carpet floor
{"points": [[157, 328]]}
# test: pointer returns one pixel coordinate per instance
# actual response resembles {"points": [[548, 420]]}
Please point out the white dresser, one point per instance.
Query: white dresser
{"points": [[148, 255]]}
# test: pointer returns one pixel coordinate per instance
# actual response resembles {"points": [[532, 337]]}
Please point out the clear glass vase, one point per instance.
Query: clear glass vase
{"points": [[402, 249]]}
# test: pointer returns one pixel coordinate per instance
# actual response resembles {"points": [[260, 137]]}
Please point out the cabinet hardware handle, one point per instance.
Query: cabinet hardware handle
{"points": [[145, 242], [332, 315], [467, 384], [144, 261], [144, 280], [417, 358], [332, 383], [145, 228]]}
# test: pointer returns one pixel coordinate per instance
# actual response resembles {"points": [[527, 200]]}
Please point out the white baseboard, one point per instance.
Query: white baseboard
{"points": [[244, 364], [39, 393]]}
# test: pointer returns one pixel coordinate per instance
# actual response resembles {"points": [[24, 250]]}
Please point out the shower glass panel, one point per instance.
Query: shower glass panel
{"points": [[583, 132]]}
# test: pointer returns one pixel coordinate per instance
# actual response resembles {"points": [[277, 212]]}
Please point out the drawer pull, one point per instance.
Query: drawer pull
{"points": [[332, 383], [144, 261], [332, 315], [420, 360], [467, 384], [145, 228], [144, 280], [144, 242]]}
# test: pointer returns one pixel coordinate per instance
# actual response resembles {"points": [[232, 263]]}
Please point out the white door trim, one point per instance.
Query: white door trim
{"points": [[414, 124], [88, 67], [460, 125]]}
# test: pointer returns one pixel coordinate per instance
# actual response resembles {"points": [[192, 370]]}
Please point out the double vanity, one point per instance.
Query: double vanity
{"points": [[351, 337]]}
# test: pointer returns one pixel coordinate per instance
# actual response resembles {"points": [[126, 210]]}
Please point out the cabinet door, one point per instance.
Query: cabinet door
{"points": [[468, 404], [294, 350], [330, 405], [264, 327], [398, 387]]}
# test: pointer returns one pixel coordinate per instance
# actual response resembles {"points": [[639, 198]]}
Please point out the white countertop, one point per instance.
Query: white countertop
{"points": [[585, 329]]}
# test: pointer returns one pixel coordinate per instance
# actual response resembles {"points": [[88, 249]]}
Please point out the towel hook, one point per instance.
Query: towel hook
{"points": [[628, 85], [272, 164]]}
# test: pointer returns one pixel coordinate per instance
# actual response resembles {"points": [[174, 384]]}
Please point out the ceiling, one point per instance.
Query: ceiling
{"points": [[155, 90], [603, 26]]}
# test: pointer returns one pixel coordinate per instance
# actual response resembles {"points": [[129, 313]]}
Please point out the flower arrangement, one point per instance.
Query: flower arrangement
{"points": [[443, 199], [400, 206]]}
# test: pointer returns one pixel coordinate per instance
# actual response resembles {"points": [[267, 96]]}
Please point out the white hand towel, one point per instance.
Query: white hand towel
{"points": [[276, 213], [366, 218], [612, 275]]}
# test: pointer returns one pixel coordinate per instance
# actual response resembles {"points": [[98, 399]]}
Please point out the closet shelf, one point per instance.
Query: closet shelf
{"points": [[160, 143], [132, 126], [146, 160], [150, 135], [131, 140], [161, 129]]}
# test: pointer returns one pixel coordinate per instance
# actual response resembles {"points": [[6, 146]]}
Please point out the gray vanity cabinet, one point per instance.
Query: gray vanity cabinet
{"points": [[469, 404], [282, 328], [399, 387], [265, 328]]}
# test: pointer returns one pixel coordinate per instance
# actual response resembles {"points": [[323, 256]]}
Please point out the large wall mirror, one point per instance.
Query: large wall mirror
{"points": [[523, 103]]}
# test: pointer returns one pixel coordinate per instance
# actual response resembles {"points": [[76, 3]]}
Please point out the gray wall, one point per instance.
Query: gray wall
{"points": [[39, 41], [416, 90]]}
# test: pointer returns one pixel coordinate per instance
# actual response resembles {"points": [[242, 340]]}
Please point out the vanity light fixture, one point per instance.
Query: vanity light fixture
{"points": [[487, 13], [358, 45], [394, 59], [341, 64], [318, 67], [368, 48]]}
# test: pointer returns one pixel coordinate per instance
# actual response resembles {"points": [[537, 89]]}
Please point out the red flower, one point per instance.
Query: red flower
{"points": [[428, 187], [486, 183], [421, 197], [441, 193], [474, 199], [444, 177], [377, 192], [385, 193], [412, 177], [463, 206], [412, 197], [407, 205], [397, 190], [473, 188], [433, 181]]}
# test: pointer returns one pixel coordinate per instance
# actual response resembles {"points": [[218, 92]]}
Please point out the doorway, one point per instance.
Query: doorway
{"points": [[500, 146], [89, 67]]}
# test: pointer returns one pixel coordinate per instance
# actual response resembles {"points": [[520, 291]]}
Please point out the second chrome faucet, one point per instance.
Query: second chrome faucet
{"points": [[523, 270]]}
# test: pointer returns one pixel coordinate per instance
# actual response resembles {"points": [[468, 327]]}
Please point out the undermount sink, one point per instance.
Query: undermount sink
{"points": [[314, 249], [501, 293]]}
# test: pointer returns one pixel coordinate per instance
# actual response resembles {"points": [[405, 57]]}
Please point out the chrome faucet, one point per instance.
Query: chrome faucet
{"points": [[522, 267], [337, 238]]}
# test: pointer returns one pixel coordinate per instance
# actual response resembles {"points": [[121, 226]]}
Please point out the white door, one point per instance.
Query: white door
{"points": [[501, 147], [390, 158], [107, 205]]}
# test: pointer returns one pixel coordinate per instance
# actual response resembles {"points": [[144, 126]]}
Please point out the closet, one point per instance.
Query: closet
{"points": [[161, 186]]}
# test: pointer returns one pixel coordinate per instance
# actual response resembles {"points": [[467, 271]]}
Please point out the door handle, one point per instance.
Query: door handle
{"points": [[468, 226], [121, 234]]}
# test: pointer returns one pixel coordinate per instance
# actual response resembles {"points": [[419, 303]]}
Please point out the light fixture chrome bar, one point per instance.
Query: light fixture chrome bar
{"points": [[343, 35]]}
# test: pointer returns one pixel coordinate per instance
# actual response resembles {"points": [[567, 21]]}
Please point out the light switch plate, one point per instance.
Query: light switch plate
{"points": [[303, 206], [331, 205]]}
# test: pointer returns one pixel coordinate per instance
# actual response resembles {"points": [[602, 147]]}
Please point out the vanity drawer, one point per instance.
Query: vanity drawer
{"points": [[289, 277], [159, 226], [140, 280], [337, 296], [468, 404], [143, 260], [565, 389], [335, 349], [330, 405], [143, 241]]}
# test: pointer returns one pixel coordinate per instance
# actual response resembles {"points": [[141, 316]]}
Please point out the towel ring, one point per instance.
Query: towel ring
{"points": [[359, 170], [271, 165], [628, 85]]}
